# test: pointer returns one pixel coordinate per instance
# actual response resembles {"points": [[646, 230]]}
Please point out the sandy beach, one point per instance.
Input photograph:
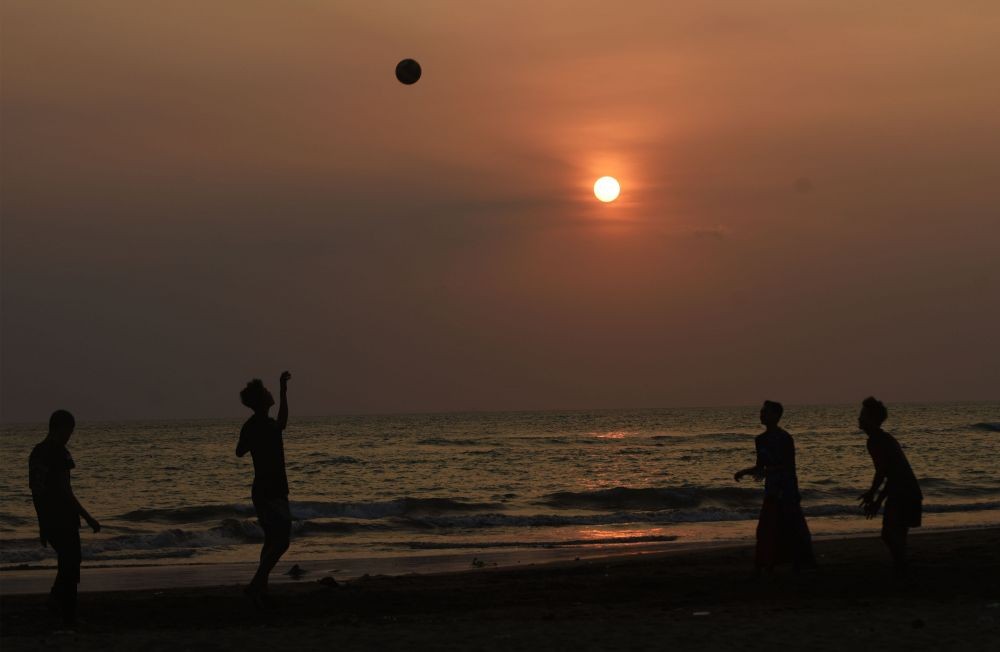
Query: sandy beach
{"points": [[692, 600]]}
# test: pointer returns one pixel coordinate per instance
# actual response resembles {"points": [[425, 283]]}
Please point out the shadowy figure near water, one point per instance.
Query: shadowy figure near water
{"points": [[902, 496], [59, 511], [782, 532], [261, 436]]}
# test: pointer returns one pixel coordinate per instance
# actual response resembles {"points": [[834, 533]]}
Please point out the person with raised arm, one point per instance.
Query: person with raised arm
{"points": [[262, 437]]}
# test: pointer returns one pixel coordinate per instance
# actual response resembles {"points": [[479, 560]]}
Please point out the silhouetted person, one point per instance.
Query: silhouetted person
{"points": [[782, 532], [901, 494], [261, 436], [58, 510]]}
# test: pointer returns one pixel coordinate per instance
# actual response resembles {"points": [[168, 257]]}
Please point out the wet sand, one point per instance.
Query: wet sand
{"points": [[689, 600]]}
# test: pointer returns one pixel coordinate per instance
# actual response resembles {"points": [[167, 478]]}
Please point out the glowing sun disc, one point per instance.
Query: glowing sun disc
{"points": [[607, 189]]}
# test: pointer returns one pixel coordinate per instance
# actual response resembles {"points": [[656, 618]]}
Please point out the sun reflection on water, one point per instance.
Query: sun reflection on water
{"points": [[612, 434]]}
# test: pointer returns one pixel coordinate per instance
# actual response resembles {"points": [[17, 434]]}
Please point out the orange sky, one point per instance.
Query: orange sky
{"points": [[196, 193]]}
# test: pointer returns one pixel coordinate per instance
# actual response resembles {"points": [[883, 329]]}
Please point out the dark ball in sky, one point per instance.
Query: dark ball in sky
{"points": [[408, 71]]}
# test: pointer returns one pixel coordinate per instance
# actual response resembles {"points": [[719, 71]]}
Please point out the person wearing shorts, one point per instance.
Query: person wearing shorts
{"points": [[262, 437], [901, 495]]}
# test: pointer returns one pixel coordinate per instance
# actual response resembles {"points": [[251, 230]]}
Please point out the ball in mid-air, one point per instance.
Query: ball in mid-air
{"points": [[408, 71]]}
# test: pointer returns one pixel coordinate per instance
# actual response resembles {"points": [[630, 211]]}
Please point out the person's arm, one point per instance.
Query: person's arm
{"points": [[283, 405], [868, 500], [91, 521], [872, 507], [243, 445], [37, 475], [757, 470], [876, 482]]}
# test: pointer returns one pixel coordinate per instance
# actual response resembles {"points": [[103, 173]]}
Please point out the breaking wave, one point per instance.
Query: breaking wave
{"points": [[302, 510], [652, 498]]}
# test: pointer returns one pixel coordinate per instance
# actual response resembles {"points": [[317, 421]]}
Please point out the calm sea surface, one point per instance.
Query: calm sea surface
{"points": [[422, 484]]}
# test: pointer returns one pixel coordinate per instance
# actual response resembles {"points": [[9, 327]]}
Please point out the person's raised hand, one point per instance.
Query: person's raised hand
{"points": [[285, 377]]}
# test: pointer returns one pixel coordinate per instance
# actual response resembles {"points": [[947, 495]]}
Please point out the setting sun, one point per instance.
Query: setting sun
{"points": [[607, 189]]}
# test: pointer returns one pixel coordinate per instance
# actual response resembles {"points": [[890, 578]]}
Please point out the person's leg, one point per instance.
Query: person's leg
{"points": [[801, 539], [275, 520], [259, 582], [55, 594], [75, 557], [766, 552], [279, 540], [899, 543], [64, 590], [894, 537]]}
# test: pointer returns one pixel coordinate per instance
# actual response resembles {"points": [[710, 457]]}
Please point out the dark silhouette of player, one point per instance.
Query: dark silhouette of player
{"points": [[901, 494], [261, 436], [782, 532], [59, 511]]}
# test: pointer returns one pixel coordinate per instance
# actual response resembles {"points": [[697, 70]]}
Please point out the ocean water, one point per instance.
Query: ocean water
{"points": [[409, 485]]}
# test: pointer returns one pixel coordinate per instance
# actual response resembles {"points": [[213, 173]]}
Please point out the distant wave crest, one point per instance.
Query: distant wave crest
{"points": [[13, 519], [302, 510], [407, 506], [652, 497], [191, 514], [445, 441]]}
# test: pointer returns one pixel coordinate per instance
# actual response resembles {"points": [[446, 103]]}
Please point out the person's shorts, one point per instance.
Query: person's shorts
{"points": [[273, 512], [902, 511]]}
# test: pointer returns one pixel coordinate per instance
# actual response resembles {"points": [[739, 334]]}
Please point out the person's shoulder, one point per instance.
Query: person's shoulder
{"points": [[51, 455], [42, 449], [893, 443], [37, 452], [258, 424], [882, 442], [885, 439]]}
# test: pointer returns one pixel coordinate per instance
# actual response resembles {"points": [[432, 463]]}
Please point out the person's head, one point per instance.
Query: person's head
{"points": [[770, 413], [873, 415], [61, 425], [255, 396]]}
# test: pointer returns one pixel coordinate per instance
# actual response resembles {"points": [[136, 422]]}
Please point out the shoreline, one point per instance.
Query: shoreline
{"points": [[34, 579], [691, 599]]}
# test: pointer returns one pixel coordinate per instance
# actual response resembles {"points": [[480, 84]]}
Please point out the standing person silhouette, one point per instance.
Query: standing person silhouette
{"points": [[261, 436], [901, 494], [59, 511], [782, 532]]}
